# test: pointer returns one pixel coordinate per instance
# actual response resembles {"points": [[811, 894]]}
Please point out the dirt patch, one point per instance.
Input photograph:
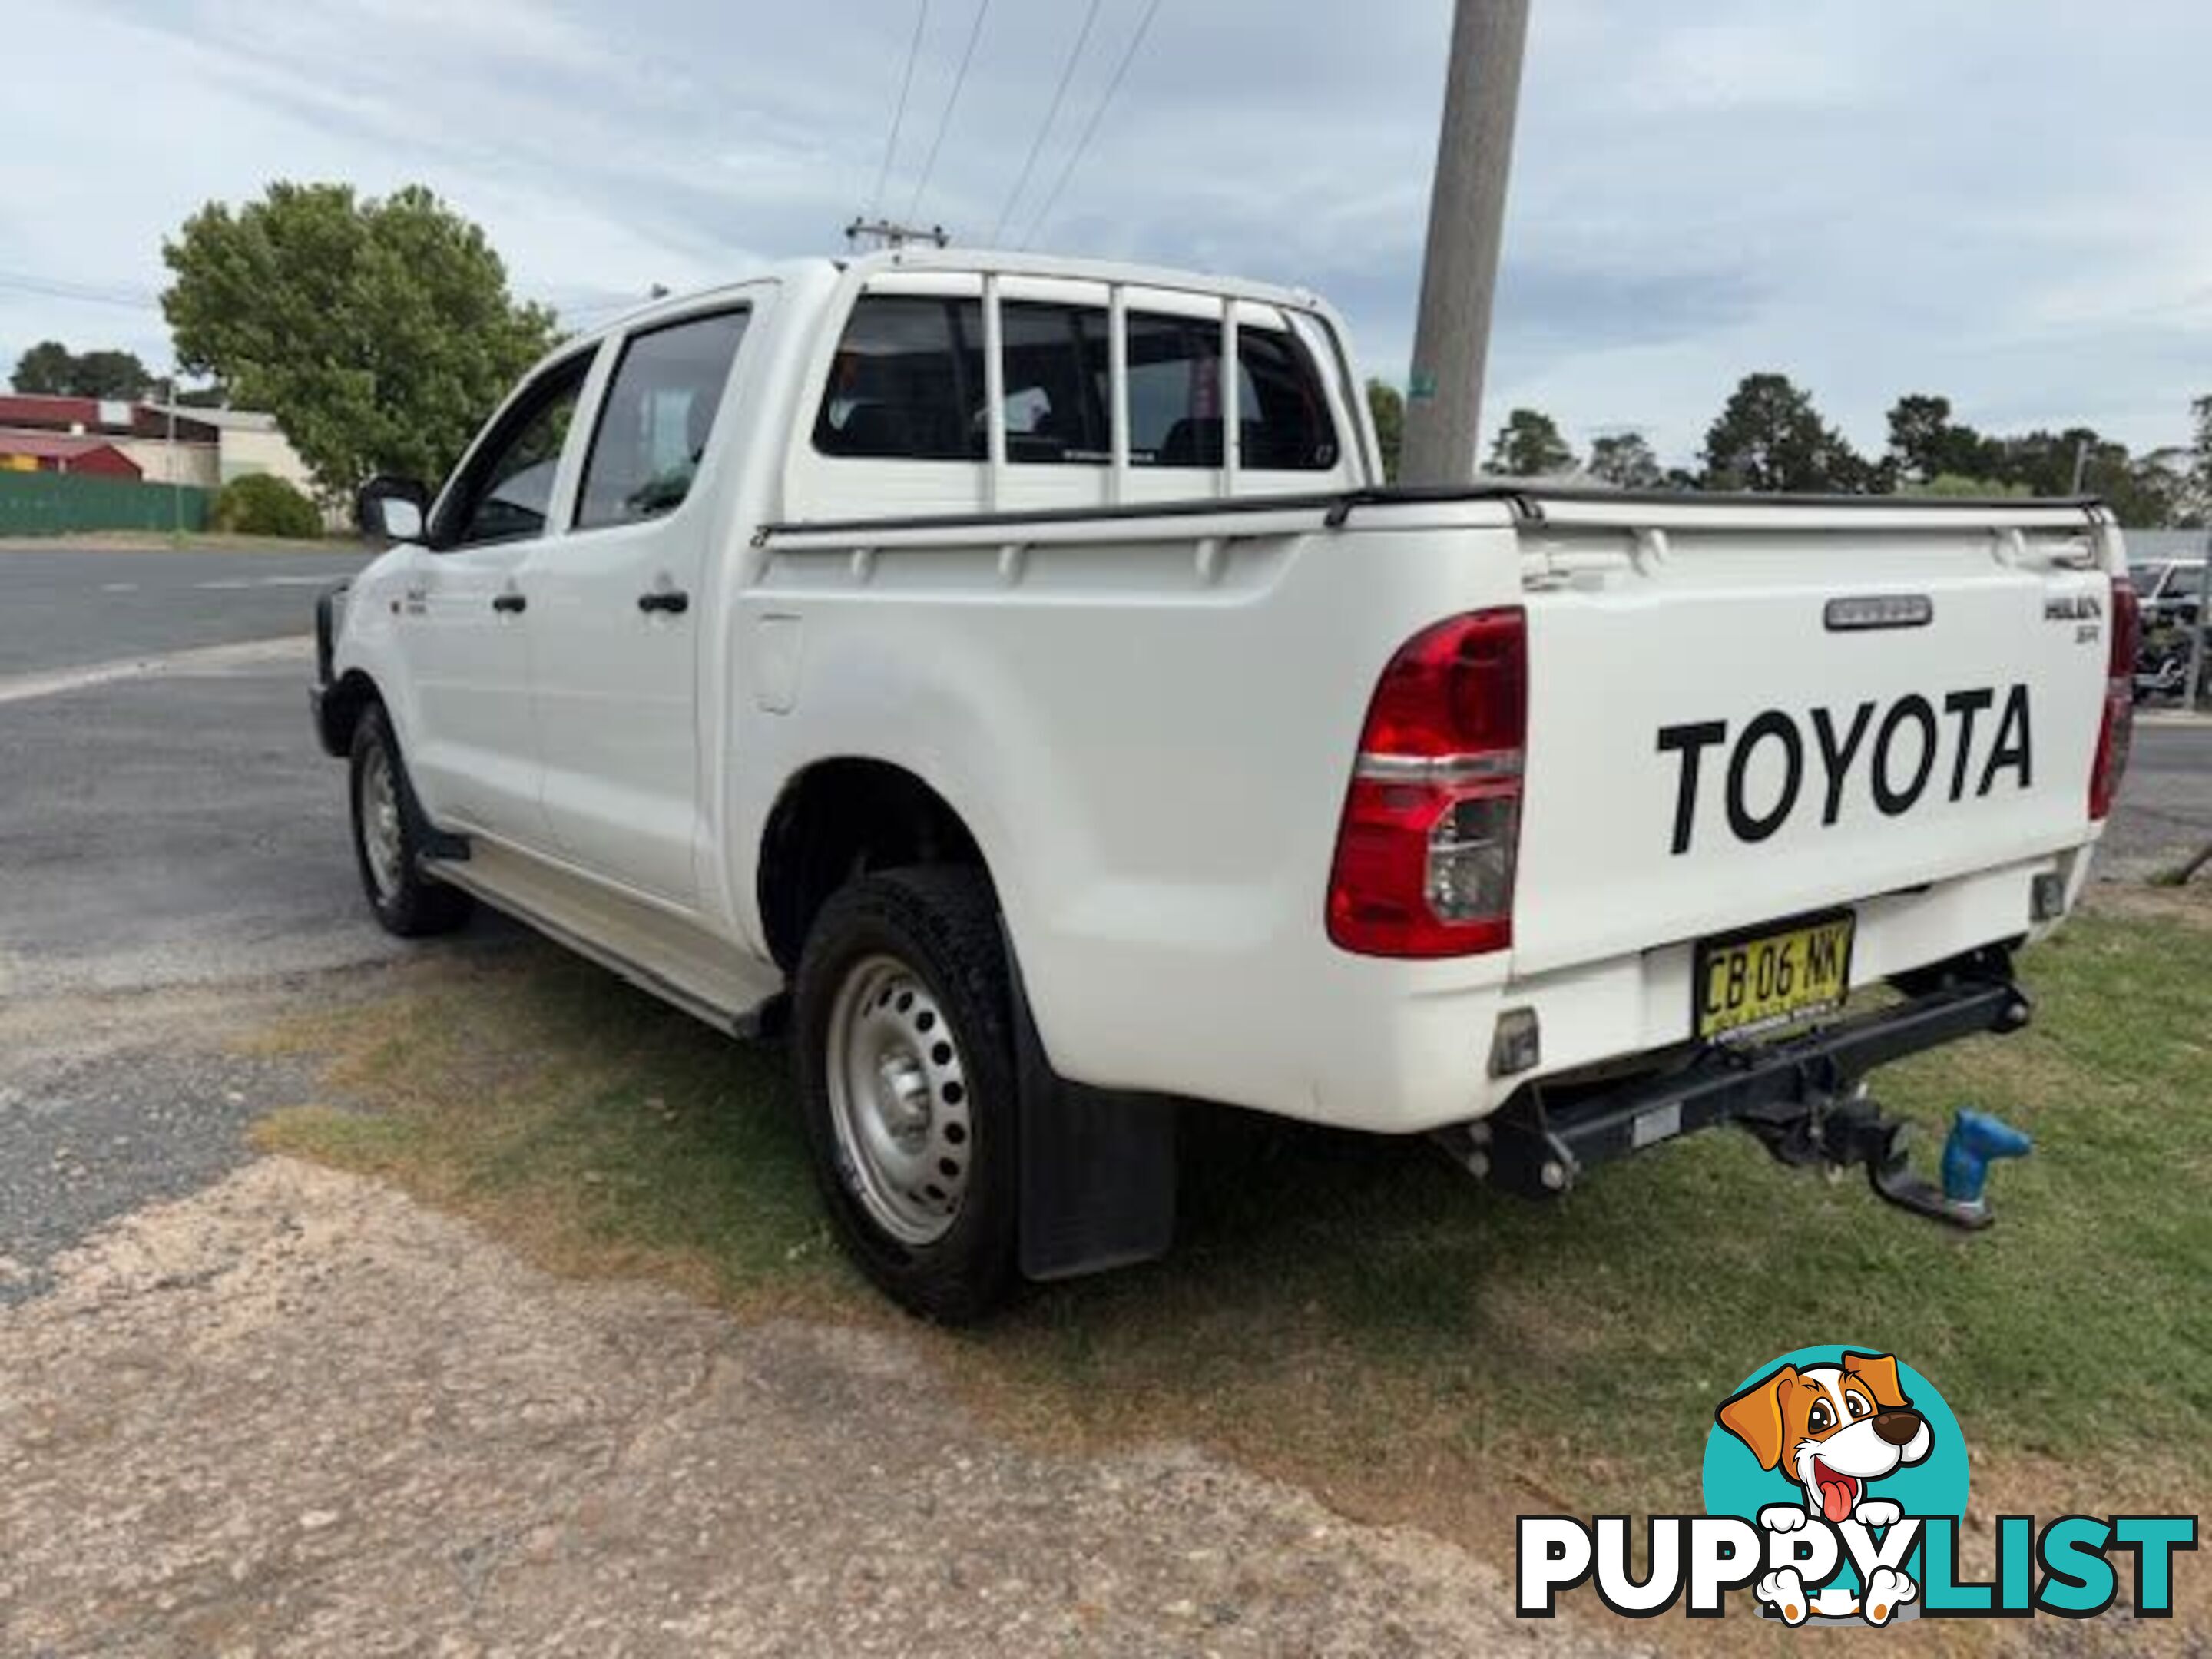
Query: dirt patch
{"points": [[2190, 905], [299, 1414]]}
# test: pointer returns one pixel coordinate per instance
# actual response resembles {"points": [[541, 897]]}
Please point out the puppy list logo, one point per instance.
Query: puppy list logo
{"points": [[1835, 1482]]}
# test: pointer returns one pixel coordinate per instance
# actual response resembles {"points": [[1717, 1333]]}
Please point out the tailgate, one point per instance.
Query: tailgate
{"points": [[1739, 714]]}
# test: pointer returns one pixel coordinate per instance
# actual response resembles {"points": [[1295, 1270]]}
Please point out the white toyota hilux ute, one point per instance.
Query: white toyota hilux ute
{"points": [[912, 654]]}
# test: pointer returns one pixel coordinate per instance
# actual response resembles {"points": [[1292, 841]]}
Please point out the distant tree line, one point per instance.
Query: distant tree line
{"points": [[52, 369], [1770, 437]]}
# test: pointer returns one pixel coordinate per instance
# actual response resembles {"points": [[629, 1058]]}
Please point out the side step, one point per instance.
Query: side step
{"points": [[675, 960]]}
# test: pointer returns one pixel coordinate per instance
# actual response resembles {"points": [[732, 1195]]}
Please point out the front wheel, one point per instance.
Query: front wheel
{"points": [[907, 1082], [388, 835]]}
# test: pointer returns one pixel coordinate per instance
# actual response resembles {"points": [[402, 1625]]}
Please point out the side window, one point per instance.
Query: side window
{"points": [[1175, 390], [508, 490], [657, 418], [907, 382], [1056, 410], [1281, 405]]}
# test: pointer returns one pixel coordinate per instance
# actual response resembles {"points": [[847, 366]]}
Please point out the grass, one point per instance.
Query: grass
{"points": [[1352, 1314]]}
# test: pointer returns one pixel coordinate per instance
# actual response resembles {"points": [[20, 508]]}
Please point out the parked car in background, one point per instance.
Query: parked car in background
{"points": [[2172, 590]]}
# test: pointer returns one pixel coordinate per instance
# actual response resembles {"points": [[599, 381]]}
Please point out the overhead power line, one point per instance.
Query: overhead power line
{"points": [[1051, 115], [898, 110], [951, 103], [1090, 127], [56, 288]]}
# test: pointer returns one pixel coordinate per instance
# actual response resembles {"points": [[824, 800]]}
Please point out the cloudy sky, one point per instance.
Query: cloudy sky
{"points": [[2005, 201]]}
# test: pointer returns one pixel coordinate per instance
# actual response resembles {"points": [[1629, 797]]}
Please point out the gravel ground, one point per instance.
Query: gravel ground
{"points": [[297, 1414], [251, 1407]]}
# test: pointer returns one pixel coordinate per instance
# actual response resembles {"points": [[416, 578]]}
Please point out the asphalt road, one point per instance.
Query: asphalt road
{"points": [[172, 860], [80, 605], [175, 863], [2165, 813]]}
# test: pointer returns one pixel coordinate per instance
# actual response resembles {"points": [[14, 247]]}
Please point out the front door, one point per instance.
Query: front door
{"points": [[616, 605], [474, 757]]}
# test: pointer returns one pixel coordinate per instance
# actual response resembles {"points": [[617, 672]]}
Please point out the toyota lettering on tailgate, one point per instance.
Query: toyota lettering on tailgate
{"points": [[1889, 754]]}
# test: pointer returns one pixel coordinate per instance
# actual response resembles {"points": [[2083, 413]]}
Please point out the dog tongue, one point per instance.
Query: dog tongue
{"points": [[1836, 1499]]}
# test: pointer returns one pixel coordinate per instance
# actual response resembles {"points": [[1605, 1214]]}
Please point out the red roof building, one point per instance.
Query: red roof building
{"points": [[85, 417], [45, 452]]}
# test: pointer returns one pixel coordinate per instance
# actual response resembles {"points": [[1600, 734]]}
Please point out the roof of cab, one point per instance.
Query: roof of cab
{"points": [[963, 261]]}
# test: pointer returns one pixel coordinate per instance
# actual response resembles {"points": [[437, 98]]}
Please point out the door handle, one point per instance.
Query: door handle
{"points": [[509, 604], [673, 601]]}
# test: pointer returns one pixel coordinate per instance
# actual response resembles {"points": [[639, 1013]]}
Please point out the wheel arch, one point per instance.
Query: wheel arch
{"points": [[340, 707], [842, 816]]}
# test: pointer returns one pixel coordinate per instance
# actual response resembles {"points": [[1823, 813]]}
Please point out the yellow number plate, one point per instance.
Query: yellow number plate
{"points": [[1753, 982]]}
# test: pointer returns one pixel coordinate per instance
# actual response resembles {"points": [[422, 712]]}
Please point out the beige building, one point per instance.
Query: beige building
{"points": [[246, 441]]}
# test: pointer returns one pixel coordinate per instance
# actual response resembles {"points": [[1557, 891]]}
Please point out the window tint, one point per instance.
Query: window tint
{"points": [[508, 489], [1055, 407], [1175, 398], [657, 418], [901, 384], [907, 382], [1279, 401], [1175, 390]]}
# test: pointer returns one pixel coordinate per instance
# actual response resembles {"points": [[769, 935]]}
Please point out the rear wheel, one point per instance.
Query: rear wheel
{"points": [[388, 835], [906, 1079]]}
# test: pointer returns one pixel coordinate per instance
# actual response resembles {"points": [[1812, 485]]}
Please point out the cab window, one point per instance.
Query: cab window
{"points": [[908, 383], [905, 380], [507, 493], [657, 418]]}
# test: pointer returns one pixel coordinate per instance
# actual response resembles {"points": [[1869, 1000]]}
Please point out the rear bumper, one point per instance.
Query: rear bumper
{"points": [[1547, 1135]]}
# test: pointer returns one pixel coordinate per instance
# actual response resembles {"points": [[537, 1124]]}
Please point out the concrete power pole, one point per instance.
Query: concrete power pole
{"points": [[1466, 223]]}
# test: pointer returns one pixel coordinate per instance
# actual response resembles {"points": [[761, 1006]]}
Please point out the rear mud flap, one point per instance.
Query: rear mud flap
{"points": [[1098, 1166]]}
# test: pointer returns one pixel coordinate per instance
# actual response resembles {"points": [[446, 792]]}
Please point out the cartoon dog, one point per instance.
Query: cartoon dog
{"points": [[1835, 1428]]}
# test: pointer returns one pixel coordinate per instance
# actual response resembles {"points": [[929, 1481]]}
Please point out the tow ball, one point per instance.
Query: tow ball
{"points": [[1976, 1141], [1853, 1131]]}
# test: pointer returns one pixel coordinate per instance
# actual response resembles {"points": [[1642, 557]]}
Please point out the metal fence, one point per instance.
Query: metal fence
{"points": [[60, 503]]}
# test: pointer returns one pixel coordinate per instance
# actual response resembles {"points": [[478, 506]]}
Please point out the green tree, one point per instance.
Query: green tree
{"points": [[1966, 486], [1626, 459], [52, 368], [1770, 437], [1529, 445], [1387, 405], [45, 370], [1925, 443], [2196, 481], [379, 332]]}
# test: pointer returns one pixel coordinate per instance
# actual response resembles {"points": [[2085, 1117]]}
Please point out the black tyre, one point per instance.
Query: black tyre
{"points": [[389, 832], [901, 1041]]}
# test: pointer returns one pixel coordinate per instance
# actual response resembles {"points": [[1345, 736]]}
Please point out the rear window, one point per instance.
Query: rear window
{"points": [[1055, 403], [1175, 398], [908, 383]]}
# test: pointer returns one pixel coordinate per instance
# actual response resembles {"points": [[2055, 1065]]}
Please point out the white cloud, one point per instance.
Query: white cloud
{"points": [[2001, 200]]}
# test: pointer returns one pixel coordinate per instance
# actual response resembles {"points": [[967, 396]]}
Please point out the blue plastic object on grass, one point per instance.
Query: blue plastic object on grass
{"points": [[1978, 1140]]}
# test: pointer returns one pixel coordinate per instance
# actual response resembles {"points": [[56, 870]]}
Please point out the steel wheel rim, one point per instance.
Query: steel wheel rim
{"points": [[898, 1100], [381, 836]]}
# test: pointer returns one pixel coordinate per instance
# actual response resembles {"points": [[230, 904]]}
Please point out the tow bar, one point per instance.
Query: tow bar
{"points": [[1802, 1096]]}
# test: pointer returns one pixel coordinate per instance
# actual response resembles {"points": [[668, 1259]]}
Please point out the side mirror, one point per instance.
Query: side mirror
{"points": [[391, 509], [396, 519]]}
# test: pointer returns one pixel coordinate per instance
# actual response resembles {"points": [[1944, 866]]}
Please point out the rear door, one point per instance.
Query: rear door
{"points": [[465, 616], [1739, 716], [616, 605]]}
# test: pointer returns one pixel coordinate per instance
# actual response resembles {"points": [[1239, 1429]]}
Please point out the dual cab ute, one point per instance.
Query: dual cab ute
{"points": [[1012, 678]]}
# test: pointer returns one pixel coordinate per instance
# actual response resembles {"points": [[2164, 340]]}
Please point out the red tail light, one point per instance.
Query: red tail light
{"points": [[2117, 735], [1432, 825]]}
